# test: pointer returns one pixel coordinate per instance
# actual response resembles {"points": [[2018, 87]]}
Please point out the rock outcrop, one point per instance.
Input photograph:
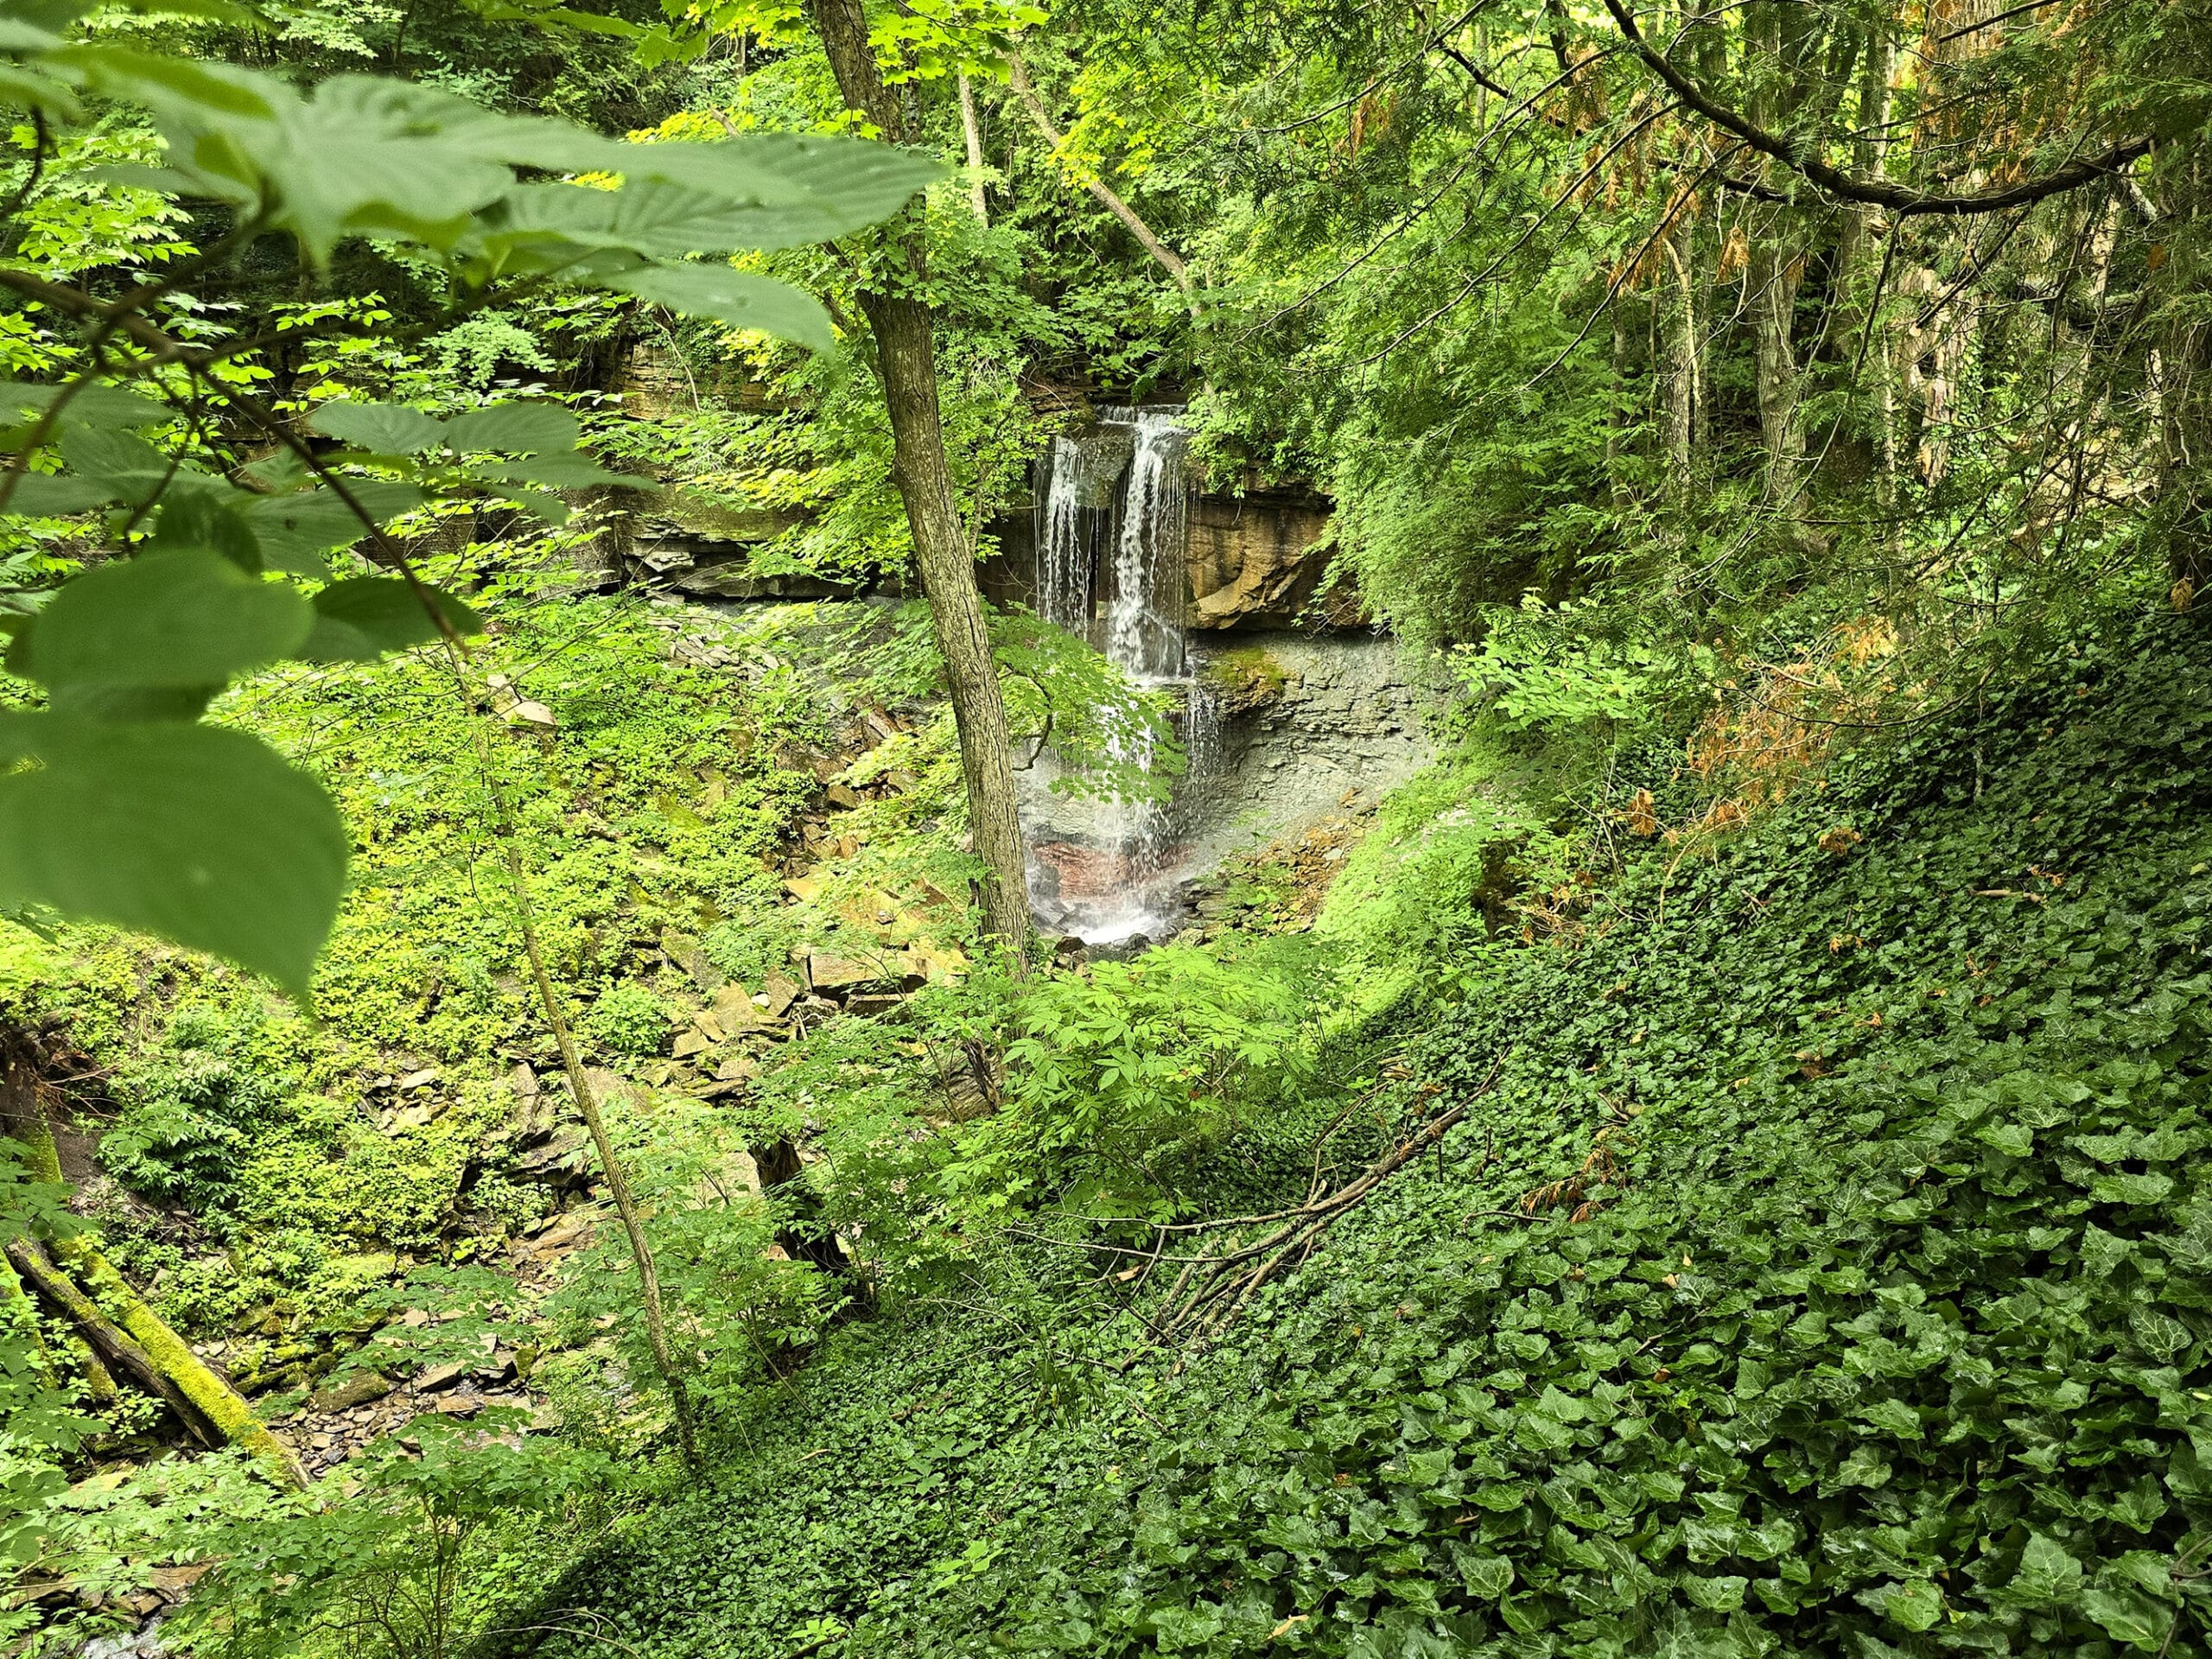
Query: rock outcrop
{"points": [[1257, 560]]}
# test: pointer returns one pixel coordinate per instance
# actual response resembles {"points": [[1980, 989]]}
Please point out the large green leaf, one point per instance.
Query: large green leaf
{"points": [[97, 405], [650, 216], [361, 619], [514, 428], [380, 429], [295, 531], [736, 297], [42, 495], [201, 836], [360, 156], [184, 619], [809, 188]]}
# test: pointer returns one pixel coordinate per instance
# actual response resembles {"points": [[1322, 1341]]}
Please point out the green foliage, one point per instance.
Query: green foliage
{"points": [[1535, 670], [192, 1112], [1818, 1273], [628, 1019], [130, 813], [1117, 1077]]}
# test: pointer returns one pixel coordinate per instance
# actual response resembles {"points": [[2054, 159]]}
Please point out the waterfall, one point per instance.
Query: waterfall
{"points": [[1113, 520]]}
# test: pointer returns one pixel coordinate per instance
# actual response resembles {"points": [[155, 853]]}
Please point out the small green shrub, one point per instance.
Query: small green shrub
{"points": [[628, 1021]]}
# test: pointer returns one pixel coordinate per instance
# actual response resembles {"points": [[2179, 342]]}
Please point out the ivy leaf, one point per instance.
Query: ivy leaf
{"points": [[2047, 1573], [514, 428], [201, 836], [2131, 1189], [1487, 1577], [380, 429], [358, 619], [1716, 1595], [1915, 1605], [735, 297], [2130, 1616], [167, 620]]}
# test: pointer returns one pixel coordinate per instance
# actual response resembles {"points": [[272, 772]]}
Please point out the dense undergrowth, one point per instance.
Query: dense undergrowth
{"points": [[1825, 1272]]}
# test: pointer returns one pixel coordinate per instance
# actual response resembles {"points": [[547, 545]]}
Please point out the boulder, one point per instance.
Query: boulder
{"points": [[355, 1390], [782, 992], [826, 973]]}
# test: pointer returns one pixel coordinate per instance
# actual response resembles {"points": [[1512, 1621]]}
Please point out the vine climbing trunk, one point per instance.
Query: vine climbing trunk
{"points": [[906, 350]]}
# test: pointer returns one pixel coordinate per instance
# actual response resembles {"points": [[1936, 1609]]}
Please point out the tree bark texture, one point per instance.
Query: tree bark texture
{"points": [[907, 358]]}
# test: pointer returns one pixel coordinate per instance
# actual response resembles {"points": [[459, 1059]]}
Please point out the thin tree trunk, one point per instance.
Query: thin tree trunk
{"points": [[974, 133], [1773, 271], [907, 358], [1169, 260]]}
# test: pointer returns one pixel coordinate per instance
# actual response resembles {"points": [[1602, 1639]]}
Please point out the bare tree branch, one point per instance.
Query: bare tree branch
{"points": [[1898, 199]]}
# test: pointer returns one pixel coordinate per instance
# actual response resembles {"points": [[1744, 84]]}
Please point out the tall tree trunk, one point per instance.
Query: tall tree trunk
{"points": [[973, 131], [907, 358], [2181, 369], [1775, 266]]}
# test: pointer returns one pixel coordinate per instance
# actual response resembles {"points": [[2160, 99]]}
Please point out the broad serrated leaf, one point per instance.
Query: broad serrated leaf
{"points": [[737, 298], [96, 405], [361, 156], [26, 89], [380, 429], [203, 836], [809, 188], [168, 84], [42, 495], [360, 620], [295, 531], [185, 619], [649, 216], [514, 428]]}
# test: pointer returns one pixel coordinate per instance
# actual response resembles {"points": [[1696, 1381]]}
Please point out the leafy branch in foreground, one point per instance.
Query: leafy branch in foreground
{"points": [[124, 807]]}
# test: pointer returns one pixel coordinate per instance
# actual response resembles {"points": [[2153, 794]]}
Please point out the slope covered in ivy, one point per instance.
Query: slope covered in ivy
{"points": [[1826, 1274]]}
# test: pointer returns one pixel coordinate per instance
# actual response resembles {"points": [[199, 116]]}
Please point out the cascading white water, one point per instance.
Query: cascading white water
{"points": [[1120, 490]]}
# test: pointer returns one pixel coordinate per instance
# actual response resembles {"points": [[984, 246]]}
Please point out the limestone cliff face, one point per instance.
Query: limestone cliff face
{"points": [[1257, 560]]}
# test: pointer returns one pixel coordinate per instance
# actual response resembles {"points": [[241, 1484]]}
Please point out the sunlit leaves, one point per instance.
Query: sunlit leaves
{"points": [[167, 620], [201, 836]]}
